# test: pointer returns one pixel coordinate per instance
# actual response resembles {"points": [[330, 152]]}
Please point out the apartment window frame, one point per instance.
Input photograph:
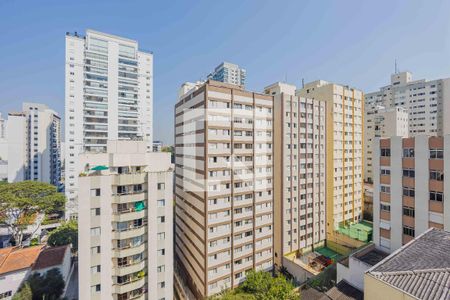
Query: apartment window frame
{"points": [[409, 192], [409, 211], [436, 196]]}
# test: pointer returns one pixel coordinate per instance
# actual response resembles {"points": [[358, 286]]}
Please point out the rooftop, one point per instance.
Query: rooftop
{"points": [[14, 259], [420, 268], [50, 257], [343, 291]]}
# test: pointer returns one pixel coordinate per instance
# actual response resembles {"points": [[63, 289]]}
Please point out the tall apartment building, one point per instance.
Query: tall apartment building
{"points": [[34, 144], [409, 188], [299, 171], [125, 223], [108, 96], [427, 102], [344, 145], [382, 122], [229, 73], [223, 185]]}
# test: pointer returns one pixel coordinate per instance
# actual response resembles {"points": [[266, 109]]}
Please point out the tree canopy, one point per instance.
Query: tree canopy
{"points": [[21, 202], [49, 286], [66, 234], [261, 286]]}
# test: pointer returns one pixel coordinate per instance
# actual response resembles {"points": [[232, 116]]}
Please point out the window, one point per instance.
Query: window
{"points": [[161, 219], [161, 284], [95, 250], [385, 189], [162, 252], [95, 211], [385, 172], [161, 203], [408, 211], [409, 192], [436, 196], [95, 288], [95, 192], [408, 152], [436, 153], [385, 207], [385, 152], [436, 175], [95, 231], [161, 186], [95, 269], [409, 173], [408, 231], [161, 236], [161, 268]]}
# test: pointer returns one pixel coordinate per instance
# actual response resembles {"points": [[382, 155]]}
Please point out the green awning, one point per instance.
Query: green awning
{"points": [[99, 168], [138, 206]]}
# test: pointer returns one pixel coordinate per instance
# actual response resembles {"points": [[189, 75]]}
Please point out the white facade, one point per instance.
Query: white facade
{"points": [[229, 73], [426, 102], [382, 122], [125, 220], [33, 138], [109, 96], [299, 171], [409, 188]]}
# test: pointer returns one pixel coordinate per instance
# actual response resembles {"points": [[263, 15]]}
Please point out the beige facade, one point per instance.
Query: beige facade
{"points": [[299, 171], [344, 145], [125, 223], [382, 122], [223, 185]]}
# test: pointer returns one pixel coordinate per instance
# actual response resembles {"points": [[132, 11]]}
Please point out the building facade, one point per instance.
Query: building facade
{"points": [[125, 220], [382, 122], [409, 188], [229, 73], [344, 146], [426, 102], [223, 185], [108, 96], [299, 171], [34, 144]]}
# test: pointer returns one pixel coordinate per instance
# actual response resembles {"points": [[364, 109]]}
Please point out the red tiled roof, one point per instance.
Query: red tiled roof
{"points": [[14, 259], [50, 257]]}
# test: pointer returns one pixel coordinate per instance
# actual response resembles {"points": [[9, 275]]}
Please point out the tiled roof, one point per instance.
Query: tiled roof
{"points": [[420, 268], [50, 257], [343, 291], [14, 259]]}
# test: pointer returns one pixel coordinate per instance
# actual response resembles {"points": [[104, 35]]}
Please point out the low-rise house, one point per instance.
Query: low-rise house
{"points": [[418, 270], [16, 264]]}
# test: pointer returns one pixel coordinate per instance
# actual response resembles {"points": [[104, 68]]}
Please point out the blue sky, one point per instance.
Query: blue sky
{"points": [[353, 42]]}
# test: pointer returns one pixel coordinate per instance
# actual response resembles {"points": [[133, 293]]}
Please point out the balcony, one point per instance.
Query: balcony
{"points": [[129, 286], [129, 269], [129, 251], [128, 215], [129, 197], [129, 233]]}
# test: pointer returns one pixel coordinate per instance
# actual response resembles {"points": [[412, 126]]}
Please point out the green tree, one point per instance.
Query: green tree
{"points": [[49, 286], [24, 293], [263, 286], [66, 234], [257, 283], [21, 202], [281, 289]]}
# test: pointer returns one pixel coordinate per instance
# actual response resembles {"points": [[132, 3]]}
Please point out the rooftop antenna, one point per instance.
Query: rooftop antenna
{"points": [[396, 69], [303, 83]]}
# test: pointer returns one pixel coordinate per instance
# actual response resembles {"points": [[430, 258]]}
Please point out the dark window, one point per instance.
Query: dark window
{"points": [[437, 175], [409, 192], [385, 207], [436, 196], [409, 173], [408, 211], [408, 231], [385, 152], [408, 152], [436, 153]]}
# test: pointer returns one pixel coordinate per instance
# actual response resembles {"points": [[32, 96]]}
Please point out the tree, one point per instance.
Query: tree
{"points": [[281, 289], [21, 202], [24, 293], [257, 283], [49, 286], [265, 287], [66, 234]]}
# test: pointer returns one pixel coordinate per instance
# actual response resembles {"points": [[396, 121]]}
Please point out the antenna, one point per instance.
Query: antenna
{"points": [[396, 69], [303, 83]]}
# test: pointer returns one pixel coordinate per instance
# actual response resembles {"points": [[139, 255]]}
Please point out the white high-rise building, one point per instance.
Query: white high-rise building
{"points": [[33, 139], [382, 122], [426, 102], [109, 96], [125, 223], [229, 73]]}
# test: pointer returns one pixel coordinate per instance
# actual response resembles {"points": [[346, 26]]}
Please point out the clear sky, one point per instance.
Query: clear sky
{"points": [[348, 41]]}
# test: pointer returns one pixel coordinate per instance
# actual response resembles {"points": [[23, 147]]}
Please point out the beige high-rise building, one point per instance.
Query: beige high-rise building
{"points": [[125, 225], [382, 122], [223, 185], [344, 162], [299, 172]]}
